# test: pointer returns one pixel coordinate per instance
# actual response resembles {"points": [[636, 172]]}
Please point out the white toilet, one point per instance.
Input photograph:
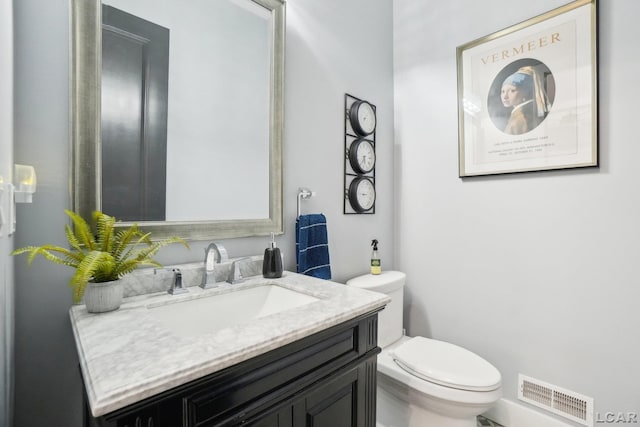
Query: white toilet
{"points": [[424, 382]]}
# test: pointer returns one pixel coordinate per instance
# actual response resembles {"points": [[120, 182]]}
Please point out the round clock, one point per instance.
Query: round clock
{"points": [[362, 194], [362, 117], [362, 156]]}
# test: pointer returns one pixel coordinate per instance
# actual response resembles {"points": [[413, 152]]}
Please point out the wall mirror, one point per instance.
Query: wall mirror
{"points": [[177, 114]]}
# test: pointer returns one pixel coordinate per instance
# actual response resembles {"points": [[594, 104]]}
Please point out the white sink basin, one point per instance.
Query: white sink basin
{"points": [[207, 314]]}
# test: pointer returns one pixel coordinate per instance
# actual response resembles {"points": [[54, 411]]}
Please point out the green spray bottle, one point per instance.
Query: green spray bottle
{"points": [[376, 266]]}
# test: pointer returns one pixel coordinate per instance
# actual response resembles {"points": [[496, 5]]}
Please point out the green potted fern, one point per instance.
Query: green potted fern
{"points": [[101, 257]]}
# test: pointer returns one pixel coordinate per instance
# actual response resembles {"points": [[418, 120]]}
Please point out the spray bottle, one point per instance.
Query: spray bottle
{"points": [[376, 267]]}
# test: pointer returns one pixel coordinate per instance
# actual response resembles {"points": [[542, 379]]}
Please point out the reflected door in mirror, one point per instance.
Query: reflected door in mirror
{"points": [[135, 66]]}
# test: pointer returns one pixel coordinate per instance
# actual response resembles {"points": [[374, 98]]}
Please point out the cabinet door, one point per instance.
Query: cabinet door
{"points": [[343, 400], [167, 414], [147, 417], [282, 418]]}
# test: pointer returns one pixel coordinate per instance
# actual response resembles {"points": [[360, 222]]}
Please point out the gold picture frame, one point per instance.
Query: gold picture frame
{"points": [[528, 95]]}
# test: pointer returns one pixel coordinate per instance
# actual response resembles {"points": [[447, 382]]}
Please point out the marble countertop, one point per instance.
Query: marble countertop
{"points": [[127, 355]]}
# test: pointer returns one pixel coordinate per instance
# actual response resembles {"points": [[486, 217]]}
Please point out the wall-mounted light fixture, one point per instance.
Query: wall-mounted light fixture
{"points": [[21, 191], [3, 216], [25, 181]]}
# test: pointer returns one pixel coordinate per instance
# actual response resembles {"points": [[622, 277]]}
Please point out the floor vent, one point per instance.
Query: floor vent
{"points": [[566, 403]]}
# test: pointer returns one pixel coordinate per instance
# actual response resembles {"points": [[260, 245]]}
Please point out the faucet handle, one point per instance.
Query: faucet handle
{"points": [[235, 274], [176, 286]]}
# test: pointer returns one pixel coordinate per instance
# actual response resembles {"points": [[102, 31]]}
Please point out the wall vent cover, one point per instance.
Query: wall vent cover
{"points": [[557, 400]]}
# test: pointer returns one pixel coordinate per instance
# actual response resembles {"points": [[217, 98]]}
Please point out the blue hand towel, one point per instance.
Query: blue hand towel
{"points": [[312, 249]]}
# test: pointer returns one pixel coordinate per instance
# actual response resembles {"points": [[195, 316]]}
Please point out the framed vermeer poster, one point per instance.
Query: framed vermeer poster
{"points": [[528, 96]]}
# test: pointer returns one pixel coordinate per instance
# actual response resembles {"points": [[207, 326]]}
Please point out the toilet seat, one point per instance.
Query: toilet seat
{"points": [[446, 364]]}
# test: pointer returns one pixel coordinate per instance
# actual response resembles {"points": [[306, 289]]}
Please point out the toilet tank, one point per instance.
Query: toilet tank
{"points": [[389, 319]]}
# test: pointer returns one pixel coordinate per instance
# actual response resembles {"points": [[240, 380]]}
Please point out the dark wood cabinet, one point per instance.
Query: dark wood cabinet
{"points": [[326, 379], [340, 401]]}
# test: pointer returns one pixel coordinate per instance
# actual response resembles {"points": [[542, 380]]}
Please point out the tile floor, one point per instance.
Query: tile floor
{"points": [[485, 422]]}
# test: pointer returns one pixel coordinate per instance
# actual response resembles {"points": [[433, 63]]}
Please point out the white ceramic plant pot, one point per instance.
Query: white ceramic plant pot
{"points": [[103, 297]]}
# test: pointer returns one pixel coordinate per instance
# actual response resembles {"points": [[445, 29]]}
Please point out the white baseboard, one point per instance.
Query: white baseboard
{"points": [[512, 414]]}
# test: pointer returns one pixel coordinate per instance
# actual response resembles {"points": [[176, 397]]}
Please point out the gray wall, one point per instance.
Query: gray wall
{"points": [[325, 59], [6, 241], [536, 272], [47, 381]]}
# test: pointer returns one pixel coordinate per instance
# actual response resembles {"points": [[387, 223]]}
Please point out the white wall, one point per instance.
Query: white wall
{"points": [[535, 272], [325, 59]]}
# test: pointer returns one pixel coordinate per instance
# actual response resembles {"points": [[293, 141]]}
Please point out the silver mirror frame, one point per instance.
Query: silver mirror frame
{"points": [[85, 76]]}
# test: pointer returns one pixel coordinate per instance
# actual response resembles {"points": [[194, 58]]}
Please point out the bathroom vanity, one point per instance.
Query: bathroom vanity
{"points": [[305, 356]]}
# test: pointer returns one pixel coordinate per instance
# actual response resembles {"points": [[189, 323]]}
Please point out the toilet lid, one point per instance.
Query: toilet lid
{"points": [[446, 364]]}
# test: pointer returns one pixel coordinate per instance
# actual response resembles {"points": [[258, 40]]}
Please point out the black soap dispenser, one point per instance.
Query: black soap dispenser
{"points": [[272, 261]]}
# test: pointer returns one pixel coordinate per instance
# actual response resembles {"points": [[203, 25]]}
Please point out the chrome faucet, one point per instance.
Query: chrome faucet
{"points": [[214, 254], [176, 285], [235, 274]]}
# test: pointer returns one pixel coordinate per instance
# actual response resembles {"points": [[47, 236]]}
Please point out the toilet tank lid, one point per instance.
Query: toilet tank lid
{"points": [[385, 282]]}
